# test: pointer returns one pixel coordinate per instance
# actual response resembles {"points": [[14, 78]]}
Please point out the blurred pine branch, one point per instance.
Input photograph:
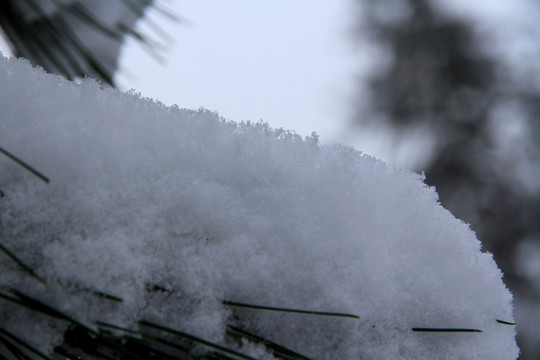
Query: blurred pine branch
{"points": [[77, 38]]}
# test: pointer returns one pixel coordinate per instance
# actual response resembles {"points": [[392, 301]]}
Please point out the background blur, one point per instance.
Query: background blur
{"points": [[449, 88]]}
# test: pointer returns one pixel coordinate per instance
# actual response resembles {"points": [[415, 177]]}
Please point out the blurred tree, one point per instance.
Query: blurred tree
{"points": [[74, 38], [440, 78]]}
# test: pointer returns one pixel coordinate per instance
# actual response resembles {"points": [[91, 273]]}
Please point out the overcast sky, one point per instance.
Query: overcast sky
{"points": [[289, 63]]}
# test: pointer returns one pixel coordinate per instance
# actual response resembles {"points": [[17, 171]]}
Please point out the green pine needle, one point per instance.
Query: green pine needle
{"points": [[298, 311], [446, 330], [506, 322], [22, 265], [107, 296], [13, 349], [24, 165], [195, 339], [4, 333], [274, 347]]}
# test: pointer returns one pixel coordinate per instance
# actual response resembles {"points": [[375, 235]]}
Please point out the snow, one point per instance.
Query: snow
{"points": [[141, 194]]}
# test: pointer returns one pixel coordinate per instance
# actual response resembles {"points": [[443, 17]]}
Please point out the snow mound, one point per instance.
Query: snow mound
{"points": [[175, 211]]}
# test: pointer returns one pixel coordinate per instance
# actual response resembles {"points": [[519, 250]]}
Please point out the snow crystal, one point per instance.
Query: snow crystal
{"points": [[176, 210]]}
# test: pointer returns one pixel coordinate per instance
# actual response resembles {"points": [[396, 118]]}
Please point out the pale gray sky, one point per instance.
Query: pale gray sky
{"points": [[289, 63]]}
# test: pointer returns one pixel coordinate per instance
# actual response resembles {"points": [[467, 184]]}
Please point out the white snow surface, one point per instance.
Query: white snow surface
{"points": [[142, 194]]}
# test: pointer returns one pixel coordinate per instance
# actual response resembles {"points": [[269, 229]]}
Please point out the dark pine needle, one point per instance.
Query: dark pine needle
{"points": [[447, 330], [298, 311], [506, 322], [24, 165]]}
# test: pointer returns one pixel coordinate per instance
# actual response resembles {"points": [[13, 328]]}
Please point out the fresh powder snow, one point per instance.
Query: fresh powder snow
{"points": [[188, 218]]}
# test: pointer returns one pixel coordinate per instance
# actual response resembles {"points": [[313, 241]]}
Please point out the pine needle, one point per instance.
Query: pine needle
{"points": [[277, 349], [446, 330], [24, 165], [506, 322], [38, 306], [14, 350], [23, 344], [22, 265], [195, 339], [107, 296], [298, 311]]}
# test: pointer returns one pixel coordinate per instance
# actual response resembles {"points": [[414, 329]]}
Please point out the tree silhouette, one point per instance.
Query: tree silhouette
{"points": [[440, 79]]}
